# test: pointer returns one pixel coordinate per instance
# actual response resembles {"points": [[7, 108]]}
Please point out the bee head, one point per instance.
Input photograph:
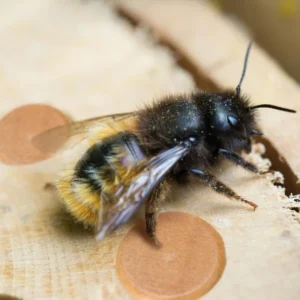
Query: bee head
{"points": [[231, 118]]}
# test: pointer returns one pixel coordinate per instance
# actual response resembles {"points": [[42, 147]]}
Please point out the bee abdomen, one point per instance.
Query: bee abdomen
{"points": [[80, 198], [100, 170]]}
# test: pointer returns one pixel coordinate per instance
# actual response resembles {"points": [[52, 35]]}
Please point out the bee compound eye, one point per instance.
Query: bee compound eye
{"points": [[233, 121], [193, 140]]}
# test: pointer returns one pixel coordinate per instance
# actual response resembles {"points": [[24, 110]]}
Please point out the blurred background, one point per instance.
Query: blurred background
{"points": [[275, 25]]}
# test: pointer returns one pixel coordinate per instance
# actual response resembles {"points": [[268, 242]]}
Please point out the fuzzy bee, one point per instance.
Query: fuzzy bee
{"points": [[133, 156]]}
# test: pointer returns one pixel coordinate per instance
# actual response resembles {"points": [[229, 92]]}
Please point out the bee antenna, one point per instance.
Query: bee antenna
{"points": [[273, 107], [238, 88]]}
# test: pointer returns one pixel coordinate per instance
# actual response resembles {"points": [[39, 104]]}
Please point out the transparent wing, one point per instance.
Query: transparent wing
{"points": [[129, 198], [52, 140]]}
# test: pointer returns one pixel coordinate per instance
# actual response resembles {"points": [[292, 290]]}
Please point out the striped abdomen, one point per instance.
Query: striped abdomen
{"points": [[101, 169]]}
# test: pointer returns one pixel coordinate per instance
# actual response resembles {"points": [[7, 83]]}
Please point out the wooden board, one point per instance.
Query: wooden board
{"points": [[75, 64]]}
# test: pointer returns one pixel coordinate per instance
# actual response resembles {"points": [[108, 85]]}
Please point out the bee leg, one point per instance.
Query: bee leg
{"points": [[238, 160], [218, 186], [151, 210]]}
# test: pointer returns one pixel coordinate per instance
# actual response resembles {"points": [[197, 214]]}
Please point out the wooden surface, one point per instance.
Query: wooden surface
{"points": [[91, 62]]}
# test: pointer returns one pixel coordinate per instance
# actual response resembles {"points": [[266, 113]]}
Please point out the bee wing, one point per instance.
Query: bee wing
{"points": [[129, 198], [52, 140]]}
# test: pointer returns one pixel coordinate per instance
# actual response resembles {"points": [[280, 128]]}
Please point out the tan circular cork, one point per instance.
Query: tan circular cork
{"points": [[18, 128], [187, 265]]}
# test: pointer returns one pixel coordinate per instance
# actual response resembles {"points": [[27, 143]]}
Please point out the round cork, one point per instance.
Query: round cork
{"points": [[18, 128], [189, 262]]}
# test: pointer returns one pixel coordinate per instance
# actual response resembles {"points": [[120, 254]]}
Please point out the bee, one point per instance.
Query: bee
{"points": [[132, 157]]}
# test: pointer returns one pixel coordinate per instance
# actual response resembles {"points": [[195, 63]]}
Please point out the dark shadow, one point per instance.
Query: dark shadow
{"points": [[280, 164], [63, 222]]}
